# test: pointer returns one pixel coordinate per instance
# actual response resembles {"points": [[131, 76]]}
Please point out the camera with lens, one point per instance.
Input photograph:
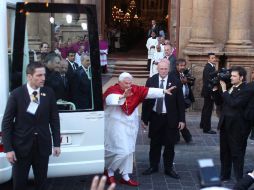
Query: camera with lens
{"points": [[217, 76], [189, 77]]}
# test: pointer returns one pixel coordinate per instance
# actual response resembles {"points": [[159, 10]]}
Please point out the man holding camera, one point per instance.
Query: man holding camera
{"points": [[233, 126], [187, 81], [205, 122]]}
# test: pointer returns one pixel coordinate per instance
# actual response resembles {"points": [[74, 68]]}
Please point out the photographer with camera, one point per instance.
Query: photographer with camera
{"points": [[183, 74], [234, 128], [205, 122]]}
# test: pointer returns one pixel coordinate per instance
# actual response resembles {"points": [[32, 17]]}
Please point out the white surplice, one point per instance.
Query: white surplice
{"points": [[121, 132]]}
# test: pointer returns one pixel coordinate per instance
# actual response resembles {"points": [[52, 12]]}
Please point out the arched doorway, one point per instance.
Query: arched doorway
{"points": [[132, 19]]}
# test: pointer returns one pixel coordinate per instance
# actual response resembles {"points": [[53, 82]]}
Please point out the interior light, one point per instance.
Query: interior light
{"points": [[84, 26], [51, 20], [68, 18]]}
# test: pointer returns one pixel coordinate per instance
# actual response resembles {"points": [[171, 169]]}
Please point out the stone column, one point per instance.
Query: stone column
{"points": [[239, 25], [32, 25], [202, 27]]}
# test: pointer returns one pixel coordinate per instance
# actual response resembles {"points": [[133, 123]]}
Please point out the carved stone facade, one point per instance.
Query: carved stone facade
{"points": [[219, 26]]}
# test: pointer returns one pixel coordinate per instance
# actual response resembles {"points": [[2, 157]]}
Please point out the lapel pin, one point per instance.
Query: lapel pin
{"points": [[169, 84], [43, 94]]}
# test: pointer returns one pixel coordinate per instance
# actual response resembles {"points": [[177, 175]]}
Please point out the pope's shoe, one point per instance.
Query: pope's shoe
{"points": [[111, 179], [131, 182]]}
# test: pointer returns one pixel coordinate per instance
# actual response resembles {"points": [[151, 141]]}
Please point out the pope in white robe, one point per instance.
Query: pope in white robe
{"points": [[122, 123]]}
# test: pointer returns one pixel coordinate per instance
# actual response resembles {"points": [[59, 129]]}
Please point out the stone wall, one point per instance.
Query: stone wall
{"points": [[219, 26]]}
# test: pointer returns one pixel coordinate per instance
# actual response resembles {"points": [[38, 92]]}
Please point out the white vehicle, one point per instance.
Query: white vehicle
{"points": [[82, 130]]}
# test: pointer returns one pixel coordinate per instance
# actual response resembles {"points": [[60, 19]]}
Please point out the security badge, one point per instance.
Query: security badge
{"points": [[34, 104], [32, 108]]}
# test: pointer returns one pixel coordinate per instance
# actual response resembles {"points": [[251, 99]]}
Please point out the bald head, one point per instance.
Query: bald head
{"points": [[167, 49], [163, 67]]}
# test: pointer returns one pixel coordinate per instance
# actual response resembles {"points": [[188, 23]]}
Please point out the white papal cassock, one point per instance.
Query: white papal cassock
{"points": [[121, 132]]}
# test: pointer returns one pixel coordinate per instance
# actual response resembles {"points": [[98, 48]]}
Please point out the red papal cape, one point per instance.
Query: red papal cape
{"points": [[139, 93]]}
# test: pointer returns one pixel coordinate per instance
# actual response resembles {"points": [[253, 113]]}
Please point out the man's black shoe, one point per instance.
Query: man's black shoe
{"points": [[150, 170], [172, 173], [210, 132]]}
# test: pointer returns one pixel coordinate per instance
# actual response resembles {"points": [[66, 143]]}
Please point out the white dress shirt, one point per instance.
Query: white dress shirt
{"points": [[164, 87]]}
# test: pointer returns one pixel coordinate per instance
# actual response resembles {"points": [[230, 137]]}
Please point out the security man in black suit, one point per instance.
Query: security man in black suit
{"points": [[73, 66], [81, 88], [187, 93], [165, 117], [30, 120], [205, 122], [59, 82], [234, 128]]}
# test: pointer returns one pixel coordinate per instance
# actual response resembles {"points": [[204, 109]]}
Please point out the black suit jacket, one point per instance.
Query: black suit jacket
{"points": [[174, 103], [70, 71], [206, 91], [233, 106], [19, 126], [81, 90], [55, 81]]}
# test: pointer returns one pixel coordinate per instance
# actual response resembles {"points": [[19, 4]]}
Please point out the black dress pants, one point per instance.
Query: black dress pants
{"points": [[232, 152], [205, 122], [161, 135], [39, 164]]}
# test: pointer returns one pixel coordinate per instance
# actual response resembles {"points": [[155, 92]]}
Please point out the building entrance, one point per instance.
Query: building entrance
{"points": [[127, 23]]}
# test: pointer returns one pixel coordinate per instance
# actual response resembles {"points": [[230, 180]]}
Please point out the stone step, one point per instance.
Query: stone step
{"points": [[131, 72], [137, 68], [128, 63], [134, 68], [134, 75]]}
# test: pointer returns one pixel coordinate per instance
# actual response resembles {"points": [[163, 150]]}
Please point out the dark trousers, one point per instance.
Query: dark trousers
{"points": [[158, 133], [39, 163], [205, 122], [232, 152]]}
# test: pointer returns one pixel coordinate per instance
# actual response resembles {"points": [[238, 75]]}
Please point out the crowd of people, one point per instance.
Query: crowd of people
{"points": [[165, 97], [165, 115]]}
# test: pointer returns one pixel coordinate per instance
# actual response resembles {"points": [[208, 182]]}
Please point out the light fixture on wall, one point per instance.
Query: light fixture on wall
{"points": [[84, 26], [69, 18], [51, 20]]}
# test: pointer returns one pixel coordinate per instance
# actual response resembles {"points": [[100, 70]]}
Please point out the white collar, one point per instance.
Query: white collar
{"points": [[211, 64], [70, 61], [165, 79], [31, 90]]}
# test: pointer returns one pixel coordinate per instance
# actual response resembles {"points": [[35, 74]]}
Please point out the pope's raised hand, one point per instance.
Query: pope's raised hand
{"points": [[127, 92], [169, 90]]}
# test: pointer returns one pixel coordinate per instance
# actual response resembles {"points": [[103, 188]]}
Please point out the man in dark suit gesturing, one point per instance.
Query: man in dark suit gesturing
{"points": [[165, 117], [205, 122], [30, 110]]}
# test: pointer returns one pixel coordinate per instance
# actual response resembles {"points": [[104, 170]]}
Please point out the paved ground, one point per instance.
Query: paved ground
{"points": [[203, 146]]}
